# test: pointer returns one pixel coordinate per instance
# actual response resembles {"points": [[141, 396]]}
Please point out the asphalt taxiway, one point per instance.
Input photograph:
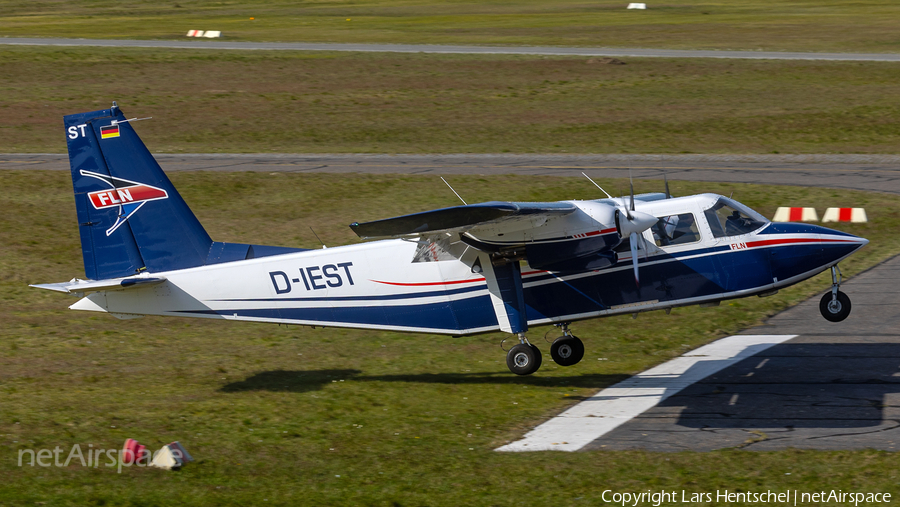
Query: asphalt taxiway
{"points": [[191, 43], [879, 173]]}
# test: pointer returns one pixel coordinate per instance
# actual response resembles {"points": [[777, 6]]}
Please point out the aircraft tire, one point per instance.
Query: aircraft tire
{"points": [[538, 355], [523, 359], [567, 350], [835, 312]]}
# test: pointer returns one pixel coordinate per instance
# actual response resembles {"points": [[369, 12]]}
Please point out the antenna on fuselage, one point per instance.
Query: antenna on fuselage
{"points": [[454, 191], [631, 184], [596, 185], [317, 237], [666, 179]]}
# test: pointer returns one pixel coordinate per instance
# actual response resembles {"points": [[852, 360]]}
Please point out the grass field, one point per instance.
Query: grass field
{"points": [[806, 25], [296, 416], [391, 103]]}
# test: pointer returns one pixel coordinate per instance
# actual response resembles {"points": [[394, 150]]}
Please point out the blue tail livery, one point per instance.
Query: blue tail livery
{"points": [[130, 217]]}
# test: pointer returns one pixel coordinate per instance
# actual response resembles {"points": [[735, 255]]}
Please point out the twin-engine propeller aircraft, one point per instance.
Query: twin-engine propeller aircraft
{"points": [[459, 270]]}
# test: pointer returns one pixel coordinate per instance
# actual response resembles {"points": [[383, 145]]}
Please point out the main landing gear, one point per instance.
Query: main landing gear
{"points": [[567, 349], [525, 358], [835, 305]]}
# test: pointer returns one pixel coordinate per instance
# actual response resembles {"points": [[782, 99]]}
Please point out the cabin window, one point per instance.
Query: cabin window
{"points": [[728, 218], [676, 230]]}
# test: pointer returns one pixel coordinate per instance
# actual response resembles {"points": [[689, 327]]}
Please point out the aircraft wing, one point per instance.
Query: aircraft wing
{"points": [[459, 218], [84, 286]]}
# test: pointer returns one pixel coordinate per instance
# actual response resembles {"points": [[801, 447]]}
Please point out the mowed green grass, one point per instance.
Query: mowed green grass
{"points": [[310, 102], [805, 25], [299, 416]]}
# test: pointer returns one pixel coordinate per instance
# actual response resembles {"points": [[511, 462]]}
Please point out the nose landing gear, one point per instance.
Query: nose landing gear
{"points": [[835, 305], [567, 349]]}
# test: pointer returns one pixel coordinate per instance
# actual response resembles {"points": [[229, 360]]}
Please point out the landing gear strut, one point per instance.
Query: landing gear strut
{"points": [[567, 349], [524, 358], [835, 305]]}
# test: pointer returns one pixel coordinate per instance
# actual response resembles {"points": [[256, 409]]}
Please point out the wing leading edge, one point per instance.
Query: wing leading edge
{"points": [[458, 218]]}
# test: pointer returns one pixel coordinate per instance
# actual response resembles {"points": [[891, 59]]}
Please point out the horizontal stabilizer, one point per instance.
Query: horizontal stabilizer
{"points": [[84, 286], [458, 218]]}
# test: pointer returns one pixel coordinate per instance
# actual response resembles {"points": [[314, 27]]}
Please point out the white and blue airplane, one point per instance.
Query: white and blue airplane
{"points": [[461, 270]]}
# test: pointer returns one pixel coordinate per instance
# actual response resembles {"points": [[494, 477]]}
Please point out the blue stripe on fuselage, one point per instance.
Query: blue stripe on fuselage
{"points": [[472, 313], [380, 297]]}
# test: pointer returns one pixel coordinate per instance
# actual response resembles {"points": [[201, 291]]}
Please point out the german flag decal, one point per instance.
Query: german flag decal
{"points": [[109, 132]]}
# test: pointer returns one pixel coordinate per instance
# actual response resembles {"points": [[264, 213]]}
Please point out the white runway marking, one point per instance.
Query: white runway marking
{"points": [[616, 405]]}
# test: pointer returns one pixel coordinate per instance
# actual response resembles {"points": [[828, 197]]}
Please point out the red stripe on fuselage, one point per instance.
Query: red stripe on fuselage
{"points": [[451, 282], [425, 284], [769, 242]]}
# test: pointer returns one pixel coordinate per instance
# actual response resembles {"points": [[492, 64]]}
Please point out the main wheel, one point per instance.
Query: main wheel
{"points": [[567, 350], [835, 311], [523, 359], [538, 356]]}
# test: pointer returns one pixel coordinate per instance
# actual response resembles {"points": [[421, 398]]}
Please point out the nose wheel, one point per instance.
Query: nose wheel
{"points": [[835, 305]]}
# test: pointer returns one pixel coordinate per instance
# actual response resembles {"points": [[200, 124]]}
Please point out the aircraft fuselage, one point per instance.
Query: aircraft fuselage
{"points": [[378, 285]]}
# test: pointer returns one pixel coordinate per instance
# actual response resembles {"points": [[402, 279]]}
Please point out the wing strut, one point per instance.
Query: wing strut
{"points": [[504, 283]]}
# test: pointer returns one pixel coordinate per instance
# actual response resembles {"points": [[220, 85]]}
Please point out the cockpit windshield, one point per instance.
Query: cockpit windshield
{"points": [[731, 218]]}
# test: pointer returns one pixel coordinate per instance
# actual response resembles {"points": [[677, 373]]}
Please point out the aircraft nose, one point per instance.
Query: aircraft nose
{"points": [[837, 244]]}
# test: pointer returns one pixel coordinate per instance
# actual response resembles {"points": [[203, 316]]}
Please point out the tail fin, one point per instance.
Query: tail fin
{"points": [[130, 216]]}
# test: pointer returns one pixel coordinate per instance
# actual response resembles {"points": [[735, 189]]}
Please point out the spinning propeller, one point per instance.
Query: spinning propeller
{"points": [[635, 223]]}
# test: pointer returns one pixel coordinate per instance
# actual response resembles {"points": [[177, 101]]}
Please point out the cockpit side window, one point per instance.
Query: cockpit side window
{"points": [[728, 218], [676, 230]]}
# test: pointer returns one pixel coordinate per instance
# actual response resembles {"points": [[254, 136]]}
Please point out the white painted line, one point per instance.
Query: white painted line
{"points": [[616, 405]]}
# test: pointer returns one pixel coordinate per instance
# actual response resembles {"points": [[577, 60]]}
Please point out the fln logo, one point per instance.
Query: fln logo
{"points": [[128, 196]]}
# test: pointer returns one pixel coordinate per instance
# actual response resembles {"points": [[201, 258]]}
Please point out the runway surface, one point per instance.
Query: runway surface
{"points": [[430, 48], [608, 409], [880, 173], [834, 386]]}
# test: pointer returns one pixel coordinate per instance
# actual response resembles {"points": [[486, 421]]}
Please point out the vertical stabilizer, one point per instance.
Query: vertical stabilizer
{"points": [[130, 216]]}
